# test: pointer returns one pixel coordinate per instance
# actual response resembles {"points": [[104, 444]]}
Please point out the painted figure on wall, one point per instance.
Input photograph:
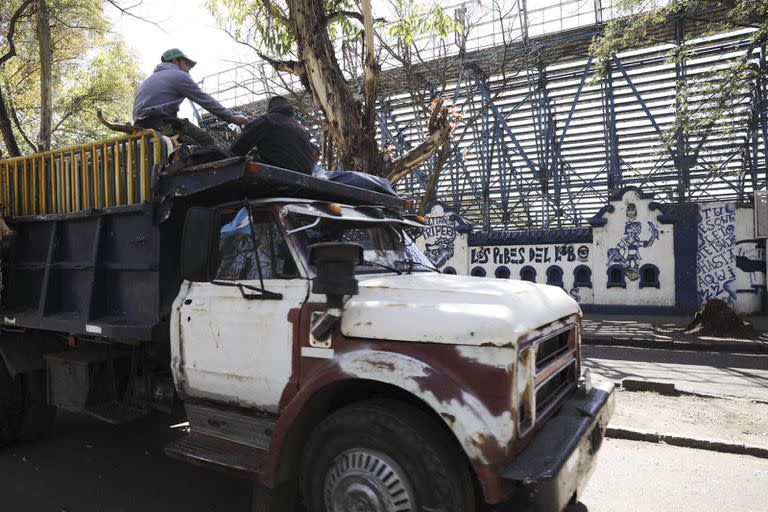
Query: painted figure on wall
{"points": [[440, 251], [627, 250]]}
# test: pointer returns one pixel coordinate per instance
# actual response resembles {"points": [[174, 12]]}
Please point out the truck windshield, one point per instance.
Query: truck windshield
{"points": [[386, 247]]}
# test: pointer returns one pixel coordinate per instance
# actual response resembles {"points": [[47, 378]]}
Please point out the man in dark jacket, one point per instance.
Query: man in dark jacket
{"points": [[278, 137], [159, 96]]}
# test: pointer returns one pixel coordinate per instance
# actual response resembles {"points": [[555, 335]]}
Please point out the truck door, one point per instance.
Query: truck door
{"points": [[236, 344]]}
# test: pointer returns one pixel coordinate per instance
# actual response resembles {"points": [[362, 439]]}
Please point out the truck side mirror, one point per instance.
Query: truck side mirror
{"points": [[335, 266], [199, 256]]}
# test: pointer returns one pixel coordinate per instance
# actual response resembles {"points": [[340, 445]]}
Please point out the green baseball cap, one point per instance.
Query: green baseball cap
{"points": [[175, 53]]}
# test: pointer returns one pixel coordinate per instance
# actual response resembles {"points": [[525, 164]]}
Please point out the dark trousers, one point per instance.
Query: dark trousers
{"points": [[170, 126]]}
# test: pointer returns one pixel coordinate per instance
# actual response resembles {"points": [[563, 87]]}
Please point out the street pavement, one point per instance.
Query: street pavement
{"points": [[634, 476], [714, 373]]}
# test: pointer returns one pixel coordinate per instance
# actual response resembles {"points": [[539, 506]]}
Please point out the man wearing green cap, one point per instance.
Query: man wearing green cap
{"points": [[157, 101]]}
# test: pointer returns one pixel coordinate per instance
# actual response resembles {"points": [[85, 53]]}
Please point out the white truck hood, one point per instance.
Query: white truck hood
{"points": [[459, 310]]}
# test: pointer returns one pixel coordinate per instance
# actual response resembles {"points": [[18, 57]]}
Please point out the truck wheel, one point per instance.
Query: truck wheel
{"points": [[383, 456], [11, 406], [38, 416]]}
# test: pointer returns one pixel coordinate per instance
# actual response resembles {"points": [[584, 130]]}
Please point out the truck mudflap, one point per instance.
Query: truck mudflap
{"points": [[558, 462]]}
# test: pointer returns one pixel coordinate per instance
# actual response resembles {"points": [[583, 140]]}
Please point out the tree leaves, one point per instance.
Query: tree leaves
{"points": [[91, 69]]}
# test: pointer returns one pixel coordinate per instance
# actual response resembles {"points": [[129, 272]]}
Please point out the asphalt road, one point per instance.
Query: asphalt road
{"points": [[643, 477], [87, 466], [715, 373]]}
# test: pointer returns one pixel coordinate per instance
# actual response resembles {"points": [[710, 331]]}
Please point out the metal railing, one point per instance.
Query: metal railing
{"points": [[103, 174]]}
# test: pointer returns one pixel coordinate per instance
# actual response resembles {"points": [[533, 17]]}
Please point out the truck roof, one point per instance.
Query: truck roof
{"points": [[239, 177]]}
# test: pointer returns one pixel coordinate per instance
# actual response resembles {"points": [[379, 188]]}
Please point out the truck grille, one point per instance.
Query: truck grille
{"points": [[550, 392], [552, 368]]}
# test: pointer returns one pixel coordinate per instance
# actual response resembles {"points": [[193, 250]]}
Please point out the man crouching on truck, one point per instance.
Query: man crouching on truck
{"points": [[278, 138], [159, 96]]}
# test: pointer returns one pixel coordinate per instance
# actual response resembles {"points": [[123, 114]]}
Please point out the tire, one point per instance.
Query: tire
{"points": [[384, 456], [37, 417], [11, 406]]}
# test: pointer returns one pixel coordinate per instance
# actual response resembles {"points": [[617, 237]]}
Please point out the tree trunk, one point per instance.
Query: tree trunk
{"points": [[9, 138], [46, 80], [356, 146]]}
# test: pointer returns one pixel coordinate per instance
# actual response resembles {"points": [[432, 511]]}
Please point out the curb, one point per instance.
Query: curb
{"points": [[632, 385], [715, 445], [746, 347]]}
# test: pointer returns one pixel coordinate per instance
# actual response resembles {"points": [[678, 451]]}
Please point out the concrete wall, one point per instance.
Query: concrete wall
{"points": [[642, 255], [633, 241], [730, 260]]}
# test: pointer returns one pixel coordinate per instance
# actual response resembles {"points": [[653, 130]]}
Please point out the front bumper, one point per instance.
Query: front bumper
{"points": [[558, 462]]}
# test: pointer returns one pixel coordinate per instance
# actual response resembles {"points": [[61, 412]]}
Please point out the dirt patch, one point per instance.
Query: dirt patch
{"points": [[716, 318], [734, 420]]}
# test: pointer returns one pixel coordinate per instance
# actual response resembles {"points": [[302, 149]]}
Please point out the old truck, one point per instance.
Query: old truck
{"points": [[313, 346]]}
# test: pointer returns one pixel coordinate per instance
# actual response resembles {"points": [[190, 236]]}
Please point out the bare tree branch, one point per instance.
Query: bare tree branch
{"points": [[334, 16], [19, 127], [289, 66], [11, 30], [369, 86], [127, 11], [439, 132]]}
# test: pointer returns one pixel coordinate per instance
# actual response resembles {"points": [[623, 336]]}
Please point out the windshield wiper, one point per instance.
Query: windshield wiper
{"points": [[262, 293], [377, 264]]}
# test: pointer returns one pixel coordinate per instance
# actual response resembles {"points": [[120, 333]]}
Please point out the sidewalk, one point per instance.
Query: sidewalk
{"points": [[665, 332], [729, 425]]}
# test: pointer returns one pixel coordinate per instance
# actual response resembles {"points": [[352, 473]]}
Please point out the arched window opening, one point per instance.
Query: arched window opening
{"points": [[582, 277], [528, 273], [502, 272], [555, 276]]}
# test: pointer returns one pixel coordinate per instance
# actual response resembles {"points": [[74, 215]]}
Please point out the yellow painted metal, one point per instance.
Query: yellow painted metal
{"points": [[68, 179], [74, 193], [33, 188], [129, 171], [118, 178], [105, 158], [43, 186], [95, 177], [143, 181], [24, 188], [16, 189]]}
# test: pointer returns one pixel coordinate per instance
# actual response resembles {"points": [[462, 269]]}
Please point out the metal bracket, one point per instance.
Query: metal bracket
{"points": [[324, 320]]}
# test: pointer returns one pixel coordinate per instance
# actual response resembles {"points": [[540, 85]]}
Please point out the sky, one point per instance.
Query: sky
{"points": [[183, 24]]}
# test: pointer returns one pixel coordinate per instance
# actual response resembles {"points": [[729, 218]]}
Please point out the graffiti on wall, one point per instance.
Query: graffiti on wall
{"points": [[440, 235], [750, 259], [518, 255], [715, 260], [627, 250]]}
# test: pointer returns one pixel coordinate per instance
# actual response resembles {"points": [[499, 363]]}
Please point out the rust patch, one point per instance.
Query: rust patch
{"points": [[383, 365]]}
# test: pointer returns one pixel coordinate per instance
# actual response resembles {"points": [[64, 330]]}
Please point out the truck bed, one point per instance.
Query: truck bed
{"points": [[112, 271]]}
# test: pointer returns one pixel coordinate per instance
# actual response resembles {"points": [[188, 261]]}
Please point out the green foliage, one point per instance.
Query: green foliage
{"points": [[264, 24], [707, 98], [416, 20], [92, 69]]}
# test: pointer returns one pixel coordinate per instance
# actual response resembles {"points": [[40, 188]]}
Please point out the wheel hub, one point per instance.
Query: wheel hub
{"points": [[363, 480]]}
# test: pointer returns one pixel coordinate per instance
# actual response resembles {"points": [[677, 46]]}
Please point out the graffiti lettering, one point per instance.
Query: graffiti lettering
{"points": [[715, 261], [518, 255]]}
